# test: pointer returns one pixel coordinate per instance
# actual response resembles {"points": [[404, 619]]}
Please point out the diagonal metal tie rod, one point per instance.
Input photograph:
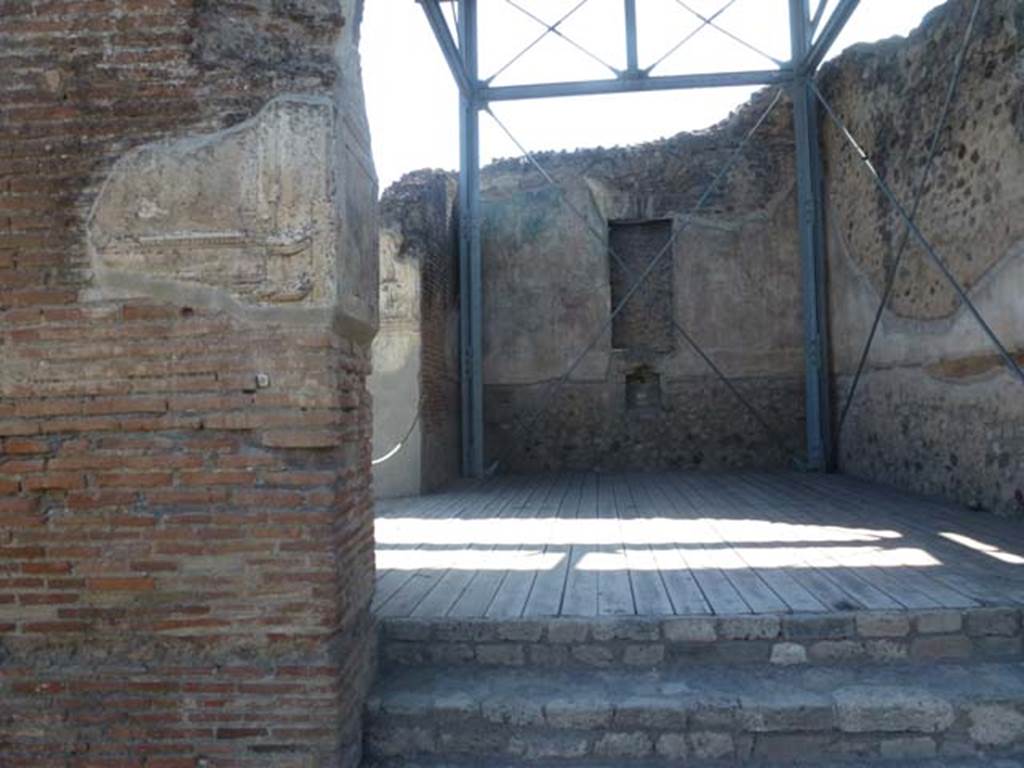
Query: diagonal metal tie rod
{"points": [[705, 23], [922, 184], [631, 274], [727, 33], [553, 30], [816, 18], [918, 235], [556, 385]]}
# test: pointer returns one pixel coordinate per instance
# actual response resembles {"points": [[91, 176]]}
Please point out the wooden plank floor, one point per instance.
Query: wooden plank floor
{"points": [[656, 544]]}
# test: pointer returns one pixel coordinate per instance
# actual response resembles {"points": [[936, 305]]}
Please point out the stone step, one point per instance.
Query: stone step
{"points": [[991, 633], [985, 762], [735, 715]]}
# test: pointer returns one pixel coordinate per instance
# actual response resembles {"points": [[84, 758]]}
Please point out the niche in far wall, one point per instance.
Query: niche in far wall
{"points": [[643, 390], [645, 323]]}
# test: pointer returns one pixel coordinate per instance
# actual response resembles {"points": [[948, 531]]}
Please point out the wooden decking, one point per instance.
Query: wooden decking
{"points": [[585, 544]]}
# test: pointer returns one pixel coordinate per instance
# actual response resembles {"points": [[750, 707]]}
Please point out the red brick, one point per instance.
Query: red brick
{"points": [[42, 568], [21, 553], [240, 733], [121, 585], [54, 481], [126, 405], [99, 499], [59, 598], [16, 445], [48, 687], [150, 566], [293, 438], [217, 478], [17, 427], [55, 627], [133, 479], [192, 496]]}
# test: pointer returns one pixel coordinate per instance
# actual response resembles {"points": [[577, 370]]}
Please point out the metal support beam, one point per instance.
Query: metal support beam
{"points": [[834, 25], [632, 63], [435, 17], [470, 274], [630, 84], [812, 248]]}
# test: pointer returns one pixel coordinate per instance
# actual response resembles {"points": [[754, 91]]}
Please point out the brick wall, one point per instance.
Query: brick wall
{"points": [[185, 519], [439, 358], [644, 323], [416, 377]]}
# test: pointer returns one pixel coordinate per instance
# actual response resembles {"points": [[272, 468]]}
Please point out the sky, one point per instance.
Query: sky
{"points": [[412, 100]]}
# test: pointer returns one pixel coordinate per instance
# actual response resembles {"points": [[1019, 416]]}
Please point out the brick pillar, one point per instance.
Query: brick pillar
{"points": [[188, 291]]}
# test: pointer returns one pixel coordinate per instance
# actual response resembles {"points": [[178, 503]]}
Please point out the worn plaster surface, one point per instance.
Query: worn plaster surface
{"points": [[415, 379], [937, 411], [734, 289]]}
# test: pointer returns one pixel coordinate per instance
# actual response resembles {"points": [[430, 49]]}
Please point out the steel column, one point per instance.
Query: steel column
{"points": [[632, 65], [837, 21], [820, 453], [470, 274]]}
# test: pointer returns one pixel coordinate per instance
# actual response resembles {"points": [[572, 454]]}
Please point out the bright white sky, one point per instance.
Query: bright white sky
{"points": [[413, 105]]}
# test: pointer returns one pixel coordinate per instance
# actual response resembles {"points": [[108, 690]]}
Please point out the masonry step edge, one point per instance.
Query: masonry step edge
{"points": [[989, 633], [744, 715]]}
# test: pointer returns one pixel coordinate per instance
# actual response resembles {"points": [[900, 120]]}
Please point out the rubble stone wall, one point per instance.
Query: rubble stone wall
{"points": [[735, 290], [937, 411], [188, 290]]}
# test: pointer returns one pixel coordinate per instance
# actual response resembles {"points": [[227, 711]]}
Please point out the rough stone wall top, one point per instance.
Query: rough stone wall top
{"points": [[890, 95], [546, 270]]}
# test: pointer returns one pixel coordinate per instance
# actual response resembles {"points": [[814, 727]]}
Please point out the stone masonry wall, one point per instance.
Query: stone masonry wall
{"points": [[415, 383], [185, 310], [735, 289], [439, 357], [936, 412]]}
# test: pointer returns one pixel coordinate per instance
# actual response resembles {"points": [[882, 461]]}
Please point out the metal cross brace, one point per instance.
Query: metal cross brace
{"points": [[922, 185], [475, 94], [631, 275], [915, 230], [555, 386], [553, 29]]}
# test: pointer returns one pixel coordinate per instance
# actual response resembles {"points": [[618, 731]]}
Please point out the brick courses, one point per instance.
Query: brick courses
{"points": [[185, 558]]}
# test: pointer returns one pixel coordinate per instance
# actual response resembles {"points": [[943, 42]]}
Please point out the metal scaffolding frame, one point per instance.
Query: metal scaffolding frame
{"points": [[796, 76]]}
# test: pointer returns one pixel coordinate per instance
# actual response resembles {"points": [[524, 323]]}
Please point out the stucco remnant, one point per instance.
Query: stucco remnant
{"points": [[250, 210], [415, 382], [937, 411]]}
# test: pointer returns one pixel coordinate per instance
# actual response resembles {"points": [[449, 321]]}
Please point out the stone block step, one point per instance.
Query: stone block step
{"points": [[476, 763], [990, 633], [743, 715]]}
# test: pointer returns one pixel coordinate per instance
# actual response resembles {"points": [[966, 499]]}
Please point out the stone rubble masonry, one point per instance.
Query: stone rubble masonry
{"points": [[870, 637], [186, 549], [549, 287], [701, 716], [936, 411]]}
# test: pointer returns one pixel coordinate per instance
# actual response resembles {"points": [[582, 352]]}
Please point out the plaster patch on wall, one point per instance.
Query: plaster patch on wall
{"points": [[904, 341], [242, 219]]}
